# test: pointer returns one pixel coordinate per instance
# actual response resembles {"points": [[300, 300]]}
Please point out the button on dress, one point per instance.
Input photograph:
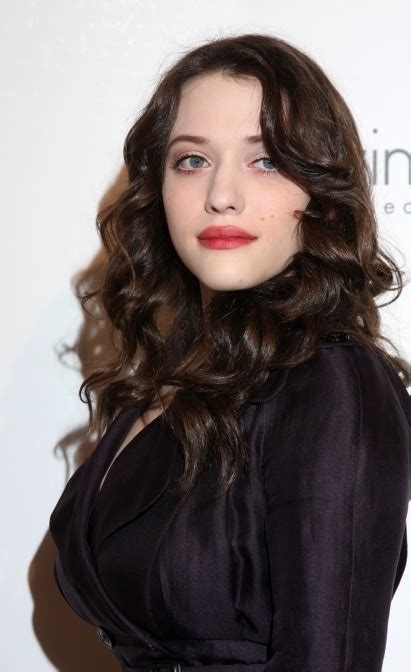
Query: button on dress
{"points": [[290, 570]]}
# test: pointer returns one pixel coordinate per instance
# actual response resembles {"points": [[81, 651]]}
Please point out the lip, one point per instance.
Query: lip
{"points": [[224, 243], [222, 232]]}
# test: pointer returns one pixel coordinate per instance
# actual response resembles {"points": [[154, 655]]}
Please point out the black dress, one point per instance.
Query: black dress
{"points": [[293, 570]]}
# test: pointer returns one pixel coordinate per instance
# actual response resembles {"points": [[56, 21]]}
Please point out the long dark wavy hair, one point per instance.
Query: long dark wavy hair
{"points": [[219, 355]]}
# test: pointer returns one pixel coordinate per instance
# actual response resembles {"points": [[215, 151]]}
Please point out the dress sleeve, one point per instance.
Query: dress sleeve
{"points": [[335, 464]]}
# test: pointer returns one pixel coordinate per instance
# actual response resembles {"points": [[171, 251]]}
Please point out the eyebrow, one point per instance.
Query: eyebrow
{"points": [[200, 140]]}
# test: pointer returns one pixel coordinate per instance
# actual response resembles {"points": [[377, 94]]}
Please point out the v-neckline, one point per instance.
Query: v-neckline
{"points": [[82, 563], [133, 440]]}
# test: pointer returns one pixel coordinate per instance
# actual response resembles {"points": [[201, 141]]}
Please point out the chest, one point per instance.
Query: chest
{"points": [[191, 559], [141, 423]]}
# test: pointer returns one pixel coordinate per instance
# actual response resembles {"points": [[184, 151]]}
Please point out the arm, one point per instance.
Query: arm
{"points": [[335, 467]]}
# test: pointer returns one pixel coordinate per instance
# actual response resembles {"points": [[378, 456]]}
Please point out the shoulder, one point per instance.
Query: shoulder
{"points": [[322, 363], [317, 399], [341, 369], [344, 396], [338, 415]]}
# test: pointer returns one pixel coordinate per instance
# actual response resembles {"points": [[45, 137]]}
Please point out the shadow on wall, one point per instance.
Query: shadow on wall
{"points": [[93, 344], [71, 644]]}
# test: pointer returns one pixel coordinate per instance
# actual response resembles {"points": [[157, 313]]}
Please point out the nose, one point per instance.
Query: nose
{"points": [[225, 190]]}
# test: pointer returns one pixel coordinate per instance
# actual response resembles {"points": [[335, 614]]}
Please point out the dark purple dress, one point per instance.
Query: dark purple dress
{"points": [[293, 570]]}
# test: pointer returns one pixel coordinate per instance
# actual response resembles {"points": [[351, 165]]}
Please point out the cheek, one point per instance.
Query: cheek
{"points": [[176, 203], [277, 219], [171, 206], [169, 197], [279, 224], [279, 205], [175, 209]]}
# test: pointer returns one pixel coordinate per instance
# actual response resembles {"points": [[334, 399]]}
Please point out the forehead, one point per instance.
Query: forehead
{"points": [[220, 102]]}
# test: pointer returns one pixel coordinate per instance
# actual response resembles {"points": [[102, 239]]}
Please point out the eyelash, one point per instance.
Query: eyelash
{"points": [[186, 156]]}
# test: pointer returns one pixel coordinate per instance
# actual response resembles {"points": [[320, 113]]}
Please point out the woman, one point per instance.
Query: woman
{"points": [[245, 507]]}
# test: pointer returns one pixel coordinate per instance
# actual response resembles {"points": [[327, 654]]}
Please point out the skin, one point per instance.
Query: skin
{"points": [[227, 186]]}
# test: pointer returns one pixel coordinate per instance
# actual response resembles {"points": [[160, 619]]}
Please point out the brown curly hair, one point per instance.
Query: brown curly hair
{"points": [[219, 355]]}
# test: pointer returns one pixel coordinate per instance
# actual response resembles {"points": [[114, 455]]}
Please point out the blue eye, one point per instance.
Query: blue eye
{"points": [[196, 158], [188, 156], [267, 158]]}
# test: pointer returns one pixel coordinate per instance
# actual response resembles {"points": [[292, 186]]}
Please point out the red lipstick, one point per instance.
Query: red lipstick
{"points": [[224, 237]]}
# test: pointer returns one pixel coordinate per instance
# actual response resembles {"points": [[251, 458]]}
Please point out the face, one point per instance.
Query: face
{"points": [[222, 179]]}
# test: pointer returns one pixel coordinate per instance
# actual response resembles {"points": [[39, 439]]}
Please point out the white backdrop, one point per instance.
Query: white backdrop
{"points": [[74, 76]]}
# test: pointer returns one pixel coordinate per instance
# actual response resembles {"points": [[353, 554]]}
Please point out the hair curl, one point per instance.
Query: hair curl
{"points": [[153, 302]]}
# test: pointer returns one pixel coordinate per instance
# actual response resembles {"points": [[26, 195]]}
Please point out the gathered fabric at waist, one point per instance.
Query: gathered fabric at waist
{"points": [[175, 666], [187, 655]]}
